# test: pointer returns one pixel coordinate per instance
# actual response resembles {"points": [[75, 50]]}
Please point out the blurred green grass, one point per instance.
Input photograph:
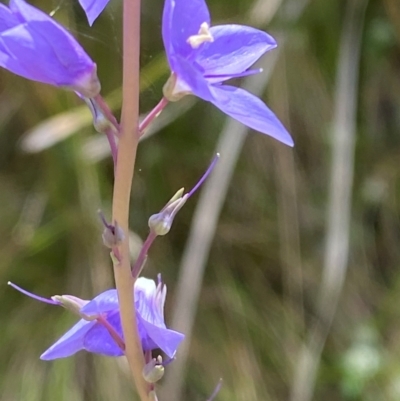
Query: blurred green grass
{"points": [[250, 326]]}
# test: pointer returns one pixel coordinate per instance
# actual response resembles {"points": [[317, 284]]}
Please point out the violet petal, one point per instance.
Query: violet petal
{"points": [[99, 340], [31, 57], [70, 343], [93, 8], [181, 19], [145, 304], [149, 301], [165, 339], [251, 111], [104, 302], [40, 49], [235, 49], [193, 79], [7, 19]]}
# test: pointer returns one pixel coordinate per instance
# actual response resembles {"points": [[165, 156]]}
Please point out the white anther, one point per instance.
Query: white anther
{"points": [[204, 35]]}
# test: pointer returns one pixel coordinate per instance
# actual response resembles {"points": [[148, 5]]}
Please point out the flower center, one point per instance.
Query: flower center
{"points": [[204, 35]]}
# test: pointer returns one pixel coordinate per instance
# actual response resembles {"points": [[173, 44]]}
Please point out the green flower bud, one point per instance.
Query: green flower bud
{"points": [[73, 304], [154, 370]]}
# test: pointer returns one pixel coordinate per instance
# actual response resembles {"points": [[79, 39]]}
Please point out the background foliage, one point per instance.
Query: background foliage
{"points": [[259, 297]]}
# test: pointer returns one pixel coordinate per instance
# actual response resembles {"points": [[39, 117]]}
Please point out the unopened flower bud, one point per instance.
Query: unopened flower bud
{"points": [[73, 304], [101, 124], [177, 196], [112, 235], [160, 223], [100, 121], [154, 370]]}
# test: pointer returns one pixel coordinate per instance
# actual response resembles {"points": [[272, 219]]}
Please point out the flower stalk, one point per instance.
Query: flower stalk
{"points": [[152, 115], [104, 122], [107, 111], [128, 141], [141, 259]]}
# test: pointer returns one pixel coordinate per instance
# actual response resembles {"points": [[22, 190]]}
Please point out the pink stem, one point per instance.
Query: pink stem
{"points": [[137, 267], [116, 337], [152, 115], [127, 146]]}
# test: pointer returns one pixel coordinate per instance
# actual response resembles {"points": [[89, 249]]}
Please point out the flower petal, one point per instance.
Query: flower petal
{"points": [[145, 286], [165, 339], [251, 111], [27, 55], [99, 340], [149, 301], [181, 19], [104, 302], [234, 50], [193, 79], [40, 49], [7, 19], [64, 47], [93, 8], [70, 343], [169, 6], [145, 302]]}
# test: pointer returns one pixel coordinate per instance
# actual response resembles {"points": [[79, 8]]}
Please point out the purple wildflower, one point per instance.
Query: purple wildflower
{"points": [[100, 331], [93, 8], [202, 58], [36, 47]]}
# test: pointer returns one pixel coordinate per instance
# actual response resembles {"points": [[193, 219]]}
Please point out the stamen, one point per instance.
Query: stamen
{"points": [[205, 175], [29, 294], [204, 35], [230, 76]]}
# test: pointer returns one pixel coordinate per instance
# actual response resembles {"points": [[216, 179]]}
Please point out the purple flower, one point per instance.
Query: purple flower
{"points": [[100, 331], [36, 47], [93, 8], [202, 58]]}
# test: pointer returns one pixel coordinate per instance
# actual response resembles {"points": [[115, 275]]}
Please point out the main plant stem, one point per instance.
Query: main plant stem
{"points": [[122, 188]]}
